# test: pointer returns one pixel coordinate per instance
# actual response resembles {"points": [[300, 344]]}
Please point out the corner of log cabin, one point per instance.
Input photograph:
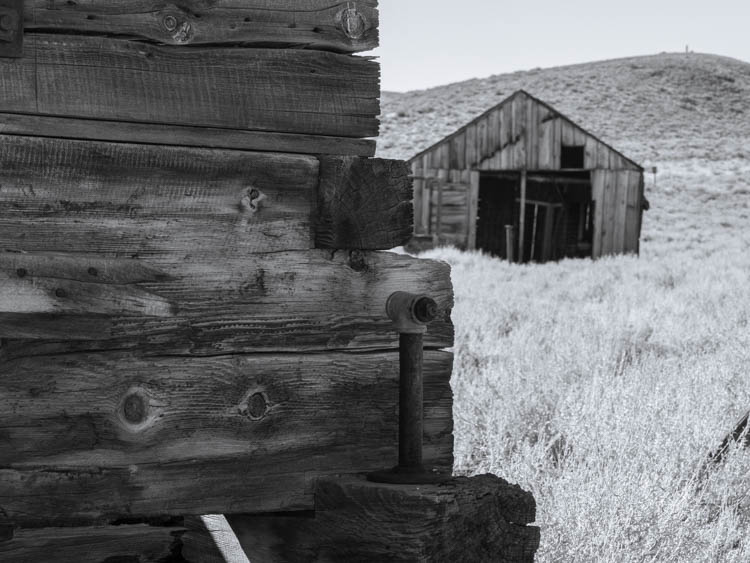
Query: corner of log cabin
{"points": [[192, 311], [363, 204]]}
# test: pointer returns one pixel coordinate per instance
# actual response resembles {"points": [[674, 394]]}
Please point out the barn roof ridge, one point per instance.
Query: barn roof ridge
{"points": [[508, 99]]}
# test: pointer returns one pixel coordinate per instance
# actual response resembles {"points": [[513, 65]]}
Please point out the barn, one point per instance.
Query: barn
{"points": [[525, 183]]}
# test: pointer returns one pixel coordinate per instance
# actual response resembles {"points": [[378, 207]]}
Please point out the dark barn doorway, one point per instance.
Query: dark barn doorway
{"points": [[497, 208], [558, 215]]}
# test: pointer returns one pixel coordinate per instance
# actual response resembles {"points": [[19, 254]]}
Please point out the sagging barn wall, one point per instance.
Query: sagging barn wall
{"points": [[525, 134]]}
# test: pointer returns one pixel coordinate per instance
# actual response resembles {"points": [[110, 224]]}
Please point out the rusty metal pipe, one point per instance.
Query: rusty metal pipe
{"points": [[410, 403], [410, 314]]}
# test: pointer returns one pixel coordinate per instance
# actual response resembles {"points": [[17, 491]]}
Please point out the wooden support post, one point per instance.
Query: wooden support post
{"points": [[522, 217], [480, 518], [509, 246]]}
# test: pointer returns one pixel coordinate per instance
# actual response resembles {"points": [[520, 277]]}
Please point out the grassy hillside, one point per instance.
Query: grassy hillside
{"points": [[601, 386]]}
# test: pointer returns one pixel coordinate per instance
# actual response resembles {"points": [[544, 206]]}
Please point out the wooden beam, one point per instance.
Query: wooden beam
{"points": [[137, 543], [311, 24], [203, 137], [94, 437], [282, 90], [169, 204], [473, 209], [467, 519], [364, 204], [522, 217], [283, 301]]}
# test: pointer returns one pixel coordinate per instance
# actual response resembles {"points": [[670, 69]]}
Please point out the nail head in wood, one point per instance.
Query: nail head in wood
{"points": [[61, 293]]}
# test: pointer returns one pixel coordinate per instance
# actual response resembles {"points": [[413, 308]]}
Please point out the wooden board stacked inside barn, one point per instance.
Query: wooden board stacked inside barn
{"points": [[191, 305]]}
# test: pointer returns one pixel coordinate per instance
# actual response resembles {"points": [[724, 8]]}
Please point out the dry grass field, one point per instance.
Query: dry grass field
{"points": [[602, 385]]}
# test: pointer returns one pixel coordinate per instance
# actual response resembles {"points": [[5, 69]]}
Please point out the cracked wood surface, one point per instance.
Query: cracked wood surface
{"points": [[311, 24], [482, 518], [278, 90], [285, 301], [89, 437]]}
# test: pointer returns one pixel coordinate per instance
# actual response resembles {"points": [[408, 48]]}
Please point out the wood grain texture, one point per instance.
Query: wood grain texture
{"points": [[210, 539], [121, 200], [170, 203], [363, 204], [312, 24], [158, 134], [92, 437], [282, 90], [137, 543], [284, 301], [467, 519]]}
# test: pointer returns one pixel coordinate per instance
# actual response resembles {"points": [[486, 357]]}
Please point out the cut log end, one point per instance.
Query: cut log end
{"points": [[480, 518]]}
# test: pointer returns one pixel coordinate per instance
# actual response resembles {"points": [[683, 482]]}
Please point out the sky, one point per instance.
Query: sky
{"points": [[426, 43]]}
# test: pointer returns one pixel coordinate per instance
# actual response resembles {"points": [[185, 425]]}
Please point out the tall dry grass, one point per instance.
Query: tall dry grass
{"points": [[600, 386]]}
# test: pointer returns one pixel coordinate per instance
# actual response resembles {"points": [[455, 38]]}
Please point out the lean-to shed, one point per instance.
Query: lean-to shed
{"points": [[524, 182]]}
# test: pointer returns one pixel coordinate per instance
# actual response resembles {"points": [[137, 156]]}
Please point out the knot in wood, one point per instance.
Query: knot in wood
{"points": [[61, 293], [250, 200], [134, 409], [181, 32], [8, 23], [255, 407], [21, 272], [93, 272], [357, 261], [352, 23], [170, 23]]}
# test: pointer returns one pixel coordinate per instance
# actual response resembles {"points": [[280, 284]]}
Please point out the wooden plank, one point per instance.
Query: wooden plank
{"points": [[441, 159], [557, 143], [164, 203], [522, 219], [136, 543], [170, 203], [282, 90], [283, 301], [608, 212], [311, 24], [597, 195], [473, 209], [210, 539], [363, 204], [158, 134], [484, 147], [590, 161], [472, 147], [602, 156], [546, 142], [498, 129], [419, 227], [519, 131], [457, 152], [621, 209], [532, 135], [94, 437], [480, 518], [633, 213]]}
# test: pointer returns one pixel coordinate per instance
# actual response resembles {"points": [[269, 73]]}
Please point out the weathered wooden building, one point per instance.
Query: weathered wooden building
{"points": [[192, 305], [524, 179]]}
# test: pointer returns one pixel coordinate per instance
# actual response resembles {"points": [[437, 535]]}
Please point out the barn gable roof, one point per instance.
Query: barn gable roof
{"points": [[482, 117]]}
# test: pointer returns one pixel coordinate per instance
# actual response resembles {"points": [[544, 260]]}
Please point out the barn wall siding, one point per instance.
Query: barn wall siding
{"points": [[523, 133]]}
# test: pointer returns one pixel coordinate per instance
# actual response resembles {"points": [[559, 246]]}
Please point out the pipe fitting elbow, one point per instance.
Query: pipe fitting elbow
{"points": [[410, 312]]}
